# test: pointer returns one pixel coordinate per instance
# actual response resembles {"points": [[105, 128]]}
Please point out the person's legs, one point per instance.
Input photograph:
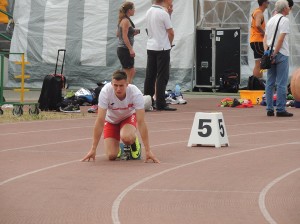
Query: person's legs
{"points": [[130, 72], [258, 51], [127, 63], [282, 69], [128, 136], [128, 130], [270, 84], [256, 70], [163, 73], [154, 96], [151, 72], [111, 133], [111, 146]]}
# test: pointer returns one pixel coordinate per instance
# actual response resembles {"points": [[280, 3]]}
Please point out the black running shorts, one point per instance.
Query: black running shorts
{"points": [[258, 49], [126, 60]]}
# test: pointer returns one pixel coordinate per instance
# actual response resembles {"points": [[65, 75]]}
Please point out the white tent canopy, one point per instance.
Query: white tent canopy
{"points": [[86, 29]]}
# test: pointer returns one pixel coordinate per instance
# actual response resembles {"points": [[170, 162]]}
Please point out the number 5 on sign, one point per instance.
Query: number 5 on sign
{"points": [[208, 129]]}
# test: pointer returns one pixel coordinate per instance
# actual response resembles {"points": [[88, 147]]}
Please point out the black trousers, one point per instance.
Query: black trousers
{"points": [[158, 69]]}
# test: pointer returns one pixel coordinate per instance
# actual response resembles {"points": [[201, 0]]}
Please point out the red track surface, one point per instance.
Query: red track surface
{"points": [[254, 180]]}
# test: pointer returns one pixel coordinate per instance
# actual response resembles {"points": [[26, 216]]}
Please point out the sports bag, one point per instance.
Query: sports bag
{"points": [[266, 60], [229, 82], [255, 83]]}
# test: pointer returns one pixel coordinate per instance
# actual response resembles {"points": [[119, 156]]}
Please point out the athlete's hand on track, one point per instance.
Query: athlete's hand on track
{"points": [[151, 156], [91, 155]]}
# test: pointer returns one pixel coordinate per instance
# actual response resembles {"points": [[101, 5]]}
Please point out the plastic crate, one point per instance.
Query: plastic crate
{"points": [[254, 95]]}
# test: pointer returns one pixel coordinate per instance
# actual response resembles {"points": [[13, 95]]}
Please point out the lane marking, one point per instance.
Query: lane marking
{"points": [[263, 193], [51, 143], [118, 200], [152, 122], [166, 130], [185, 190], [41, 170], [63, 164], [36, 171]]}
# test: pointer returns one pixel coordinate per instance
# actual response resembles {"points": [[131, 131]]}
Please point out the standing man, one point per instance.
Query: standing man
{"points": [[279, 72], [257, 32], [121, 109], [160, 38]]}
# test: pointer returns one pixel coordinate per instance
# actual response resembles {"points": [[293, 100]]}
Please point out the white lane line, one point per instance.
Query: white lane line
{"points": [[118, 200], [41, 170], [66, 163], [187, 190], [52, 143], [262, 196], [148, 122], [166, 130], [36, 171]]}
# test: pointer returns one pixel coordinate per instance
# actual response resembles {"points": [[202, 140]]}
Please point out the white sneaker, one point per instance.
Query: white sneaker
{"points": [[180, 100], [170, 100]]}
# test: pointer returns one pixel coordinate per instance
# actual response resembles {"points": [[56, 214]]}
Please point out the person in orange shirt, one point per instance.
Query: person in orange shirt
{"points": [[3, 17], [257, 32]]}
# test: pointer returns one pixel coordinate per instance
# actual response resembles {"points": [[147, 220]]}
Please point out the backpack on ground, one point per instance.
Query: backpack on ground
{"points": [[229, 82], [255, 83], [51, 93]]}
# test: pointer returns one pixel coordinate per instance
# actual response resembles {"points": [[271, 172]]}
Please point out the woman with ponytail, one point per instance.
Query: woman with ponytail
{"points": [[126, 32]]}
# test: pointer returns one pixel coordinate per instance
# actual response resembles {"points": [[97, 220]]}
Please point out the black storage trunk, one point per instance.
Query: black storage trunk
{"points": [[217, 50]]}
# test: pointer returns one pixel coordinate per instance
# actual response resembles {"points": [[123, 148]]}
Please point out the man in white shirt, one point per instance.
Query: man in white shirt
{"points": [[120, 109], [160, 38], [279, 72]]}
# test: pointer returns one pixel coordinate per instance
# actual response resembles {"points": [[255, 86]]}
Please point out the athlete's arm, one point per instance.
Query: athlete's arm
{"points": [[98, 129], [265, 42], [140, 116], [259, 17]]}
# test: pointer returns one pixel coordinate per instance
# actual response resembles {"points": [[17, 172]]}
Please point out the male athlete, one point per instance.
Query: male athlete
{"points": [[121, 108], [257, 32]]}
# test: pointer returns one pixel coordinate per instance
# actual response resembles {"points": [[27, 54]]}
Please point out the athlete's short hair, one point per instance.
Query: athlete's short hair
{"points": [[119, 75], [260, 2]]}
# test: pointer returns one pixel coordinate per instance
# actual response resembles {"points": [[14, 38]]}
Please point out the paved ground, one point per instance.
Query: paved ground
{"points": [[254, 180]]}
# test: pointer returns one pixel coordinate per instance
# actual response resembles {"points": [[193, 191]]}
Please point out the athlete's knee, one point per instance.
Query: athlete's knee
{"points": [[128, 139], [112, 157]]}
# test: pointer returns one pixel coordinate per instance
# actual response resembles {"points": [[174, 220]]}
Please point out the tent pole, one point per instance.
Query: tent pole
{"points": [[194, 69]]}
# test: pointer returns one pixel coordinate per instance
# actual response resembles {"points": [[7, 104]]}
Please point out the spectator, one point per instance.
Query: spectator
{"points": [[257, 32], [160, 38], [126, 32], [3, 17], [278, 73]]}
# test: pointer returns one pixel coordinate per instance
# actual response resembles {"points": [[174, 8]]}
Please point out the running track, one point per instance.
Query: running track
{"points": [[254, 180]]}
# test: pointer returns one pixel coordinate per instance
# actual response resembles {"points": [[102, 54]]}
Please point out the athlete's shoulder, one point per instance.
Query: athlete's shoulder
{"points": [[133, 88], [107, 86]]}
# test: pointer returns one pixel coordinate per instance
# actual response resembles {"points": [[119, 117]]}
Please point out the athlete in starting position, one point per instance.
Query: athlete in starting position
{"points": [[120, 109]]}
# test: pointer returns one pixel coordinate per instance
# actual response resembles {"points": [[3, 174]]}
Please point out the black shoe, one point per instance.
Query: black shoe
{"points": [[284, 114], [270, 113], [167, 108]]}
